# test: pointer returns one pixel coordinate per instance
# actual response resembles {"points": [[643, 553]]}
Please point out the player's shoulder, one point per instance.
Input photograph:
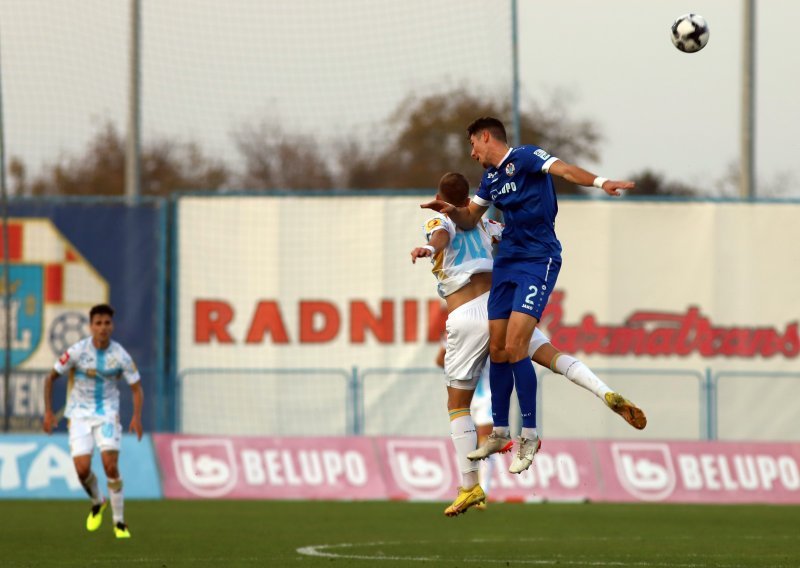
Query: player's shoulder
{"points": [[438, 221], [80, 345], [532, 152], [117, 346]]}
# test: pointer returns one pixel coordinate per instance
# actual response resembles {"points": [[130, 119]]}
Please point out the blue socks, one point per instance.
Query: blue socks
{"points": [[525, 380], [501, 383]]}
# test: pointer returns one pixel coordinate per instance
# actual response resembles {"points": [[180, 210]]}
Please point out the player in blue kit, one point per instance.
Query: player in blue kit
{"points": [[518, 182]]}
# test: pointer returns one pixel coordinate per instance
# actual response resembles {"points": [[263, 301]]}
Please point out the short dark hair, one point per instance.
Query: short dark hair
{"points": [[493, 125], [101, 309], [454, 188]]}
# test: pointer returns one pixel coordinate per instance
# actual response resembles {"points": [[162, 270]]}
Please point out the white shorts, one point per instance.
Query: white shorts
{"points": [[84, 433], [468, 343]]}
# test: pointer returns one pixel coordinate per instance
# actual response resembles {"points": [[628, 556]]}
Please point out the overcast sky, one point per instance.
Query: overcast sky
{"points": [[322, 66]]}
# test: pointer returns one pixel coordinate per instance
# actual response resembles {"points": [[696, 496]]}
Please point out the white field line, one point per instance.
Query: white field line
{"points": [[327, 551]]}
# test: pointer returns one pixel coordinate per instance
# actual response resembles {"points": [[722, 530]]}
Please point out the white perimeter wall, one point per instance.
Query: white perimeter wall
{"points": [[645, 266]]}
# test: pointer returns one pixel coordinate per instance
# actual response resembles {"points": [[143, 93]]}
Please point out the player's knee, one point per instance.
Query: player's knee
{"points": [[497, 353], [460, 399], [83, 471], [112, 471], [517, 351], [114, 484]]}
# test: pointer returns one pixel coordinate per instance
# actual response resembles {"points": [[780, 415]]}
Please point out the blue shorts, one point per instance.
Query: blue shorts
{"points": [[522, 287]]}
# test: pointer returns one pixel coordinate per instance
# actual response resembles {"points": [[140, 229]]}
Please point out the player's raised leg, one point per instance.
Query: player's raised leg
{"points": [[83, 467], [580, 374], [81, 445]]}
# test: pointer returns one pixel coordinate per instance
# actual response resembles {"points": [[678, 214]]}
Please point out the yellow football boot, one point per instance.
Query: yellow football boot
{"points": [[95, 518], [466, 498], [632, 414], [121, 531]]}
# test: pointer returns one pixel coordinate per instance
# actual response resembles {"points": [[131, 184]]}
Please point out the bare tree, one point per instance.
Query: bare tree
{"points": [[431, 139], [277, 160], [167, 166]]}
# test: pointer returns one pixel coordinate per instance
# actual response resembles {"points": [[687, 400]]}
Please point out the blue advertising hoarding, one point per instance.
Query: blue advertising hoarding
{"points": [[38, 466]]}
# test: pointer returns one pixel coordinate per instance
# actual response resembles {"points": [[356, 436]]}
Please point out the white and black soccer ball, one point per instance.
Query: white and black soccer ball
{"points": [[690, 33]]}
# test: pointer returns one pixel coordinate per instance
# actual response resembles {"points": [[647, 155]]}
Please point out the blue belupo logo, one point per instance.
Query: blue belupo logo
{"points": [[25, 283]]}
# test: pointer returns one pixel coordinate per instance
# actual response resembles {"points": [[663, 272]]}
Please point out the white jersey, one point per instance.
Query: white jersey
{"points": [[93, 377], [468, 252]]}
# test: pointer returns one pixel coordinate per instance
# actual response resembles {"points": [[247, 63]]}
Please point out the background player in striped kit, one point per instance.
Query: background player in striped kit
{"points": [[95, 365]]}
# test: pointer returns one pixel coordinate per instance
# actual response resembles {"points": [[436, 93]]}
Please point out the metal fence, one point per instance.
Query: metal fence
{"points": [[412, 401], [714, 405]]}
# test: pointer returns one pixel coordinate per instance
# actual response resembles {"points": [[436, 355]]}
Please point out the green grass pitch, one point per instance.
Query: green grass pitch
{"points": [[171, 534]]}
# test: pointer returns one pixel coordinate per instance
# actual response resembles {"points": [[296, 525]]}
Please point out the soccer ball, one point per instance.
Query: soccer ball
{"points": [[690, 33]]}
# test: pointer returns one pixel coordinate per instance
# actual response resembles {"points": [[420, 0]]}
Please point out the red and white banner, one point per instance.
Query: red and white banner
{"points": [[700, 472], [425, 469], [216, 467]]}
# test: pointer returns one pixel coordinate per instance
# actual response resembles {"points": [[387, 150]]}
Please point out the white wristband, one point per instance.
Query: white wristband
{"points": [[430, 248], [599, 181]]}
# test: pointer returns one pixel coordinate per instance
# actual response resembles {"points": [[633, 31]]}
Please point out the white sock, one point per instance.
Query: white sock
{"points": [[501, 431], [90, 485], [465, 439], [117, 500], [581, 375], [529, 433]]}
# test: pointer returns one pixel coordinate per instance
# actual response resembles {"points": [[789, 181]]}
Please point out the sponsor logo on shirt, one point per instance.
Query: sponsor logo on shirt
{"points": [[64, 358], [432, 224], [542, 154]]}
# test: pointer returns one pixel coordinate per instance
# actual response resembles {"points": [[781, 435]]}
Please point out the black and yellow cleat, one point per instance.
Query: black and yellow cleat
{"points": [[121, 530], [95, 518], [631, 413]]}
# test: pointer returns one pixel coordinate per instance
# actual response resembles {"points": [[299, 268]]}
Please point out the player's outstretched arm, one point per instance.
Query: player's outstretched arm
{"points": [[138, 401], [579, 176], [49, 422], [465, 217], [439, 239]]}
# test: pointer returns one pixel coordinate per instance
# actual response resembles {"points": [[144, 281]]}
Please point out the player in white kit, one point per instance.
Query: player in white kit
{"points": [[95, 365], [462, 264]]}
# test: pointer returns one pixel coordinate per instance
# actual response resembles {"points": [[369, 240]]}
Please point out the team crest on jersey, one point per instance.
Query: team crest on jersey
{"points": [[510, 169]]}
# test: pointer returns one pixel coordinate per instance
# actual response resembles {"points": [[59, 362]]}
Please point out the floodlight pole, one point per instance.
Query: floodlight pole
{"points": [[517, 136], [747, 183], [133, 143]]}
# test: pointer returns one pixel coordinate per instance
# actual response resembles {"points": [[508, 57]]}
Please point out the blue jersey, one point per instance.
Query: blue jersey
{"points": [[523, 190]]}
